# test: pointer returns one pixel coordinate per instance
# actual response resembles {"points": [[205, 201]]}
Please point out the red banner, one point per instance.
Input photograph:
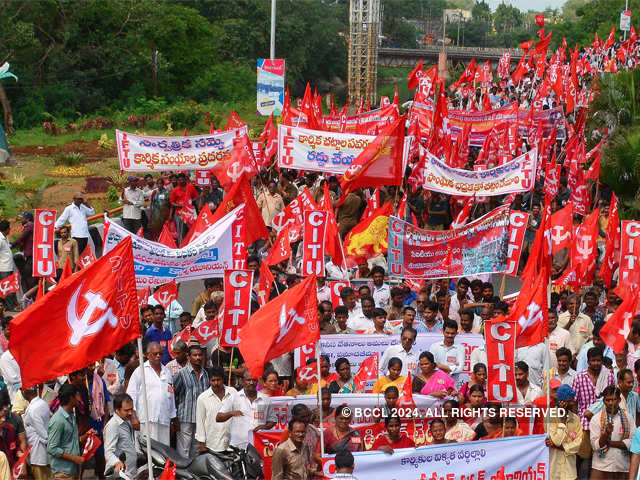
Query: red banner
{"points": [[203, 177], [517, 226], [294, 213], [205, 332], [9, 285], [44, 263], [630, 253], [166, 294], [336, 288], [478, 247], [315, 224], [86, 257], [237, 305], [303, 354], [91, 445], [500, 336], [239, 239]]}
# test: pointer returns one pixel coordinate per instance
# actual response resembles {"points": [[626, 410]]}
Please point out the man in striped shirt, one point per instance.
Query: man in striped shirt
{"points": [[188, 384]]}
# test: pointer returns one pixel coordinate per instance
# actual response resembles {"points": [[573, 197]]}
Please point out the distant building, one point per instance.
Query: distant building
{"points": [[454, 15]]}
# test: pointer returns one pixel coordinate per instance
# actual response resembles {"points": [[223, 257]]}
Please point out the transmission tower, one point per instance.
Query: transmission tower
{"points": [[364, 30]]}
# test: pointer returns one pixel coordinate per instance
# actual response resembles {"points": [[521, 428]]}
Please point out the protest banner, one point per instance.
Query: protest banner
{"points": [[237, 305], [44, 262], [503, 458], [320, 151], [518, 175], [518, 222], [629, 252], [476, 248], [366, 123], [501, 351], [356, 347], [207, 256], [270, 86], [315, 224], [144, 153]]}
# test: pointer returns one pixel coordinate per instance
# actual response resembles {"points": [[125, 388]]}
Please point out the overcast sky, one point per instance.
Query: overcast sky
{"points": [[525, 5]]}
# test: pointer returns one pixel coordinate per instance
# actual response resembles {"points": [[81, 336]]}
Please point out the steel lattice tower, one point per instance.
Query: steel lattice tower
{"points": [[364, 30]]}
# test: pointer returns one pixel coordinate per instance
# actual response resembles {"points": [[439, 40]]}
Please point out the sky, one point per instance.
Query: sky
{"points": [[525, 5]]}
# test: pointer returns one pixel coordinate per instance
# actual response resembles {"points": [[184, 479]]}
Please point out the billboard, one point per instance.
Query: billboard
{"points": [[270, 86]]}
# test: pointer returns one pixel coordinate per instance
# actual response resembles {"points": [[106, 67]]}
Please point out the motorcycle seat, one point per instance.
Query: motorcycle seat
{"points": [[168, 452]]}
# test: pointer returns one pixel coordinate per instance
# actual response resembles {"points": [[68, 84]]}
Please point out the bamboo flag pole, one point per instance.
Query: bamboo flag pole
{"points": [[147, 427], [320, 398]]}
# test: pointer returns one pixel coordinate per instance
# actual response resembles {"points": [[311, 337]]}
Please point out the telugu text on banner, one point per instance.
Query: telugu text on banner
{"points": [[508, 458], [144, 153], [476, 248], [518, 175], [155, 264]]}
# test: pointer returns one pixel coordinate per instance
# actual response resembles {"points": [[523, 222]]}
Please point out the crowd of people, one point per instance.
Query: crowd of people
{"points": [[202, 397]]}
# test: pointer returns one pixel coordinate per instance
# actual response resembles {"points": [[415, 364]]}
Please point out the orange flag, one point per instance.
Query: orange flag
{"points": [[368, 238]]}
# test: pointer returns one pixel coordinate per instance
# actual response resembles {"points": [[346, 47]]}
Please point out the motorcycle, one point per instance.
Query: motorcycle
{"points": [[232, 464]]}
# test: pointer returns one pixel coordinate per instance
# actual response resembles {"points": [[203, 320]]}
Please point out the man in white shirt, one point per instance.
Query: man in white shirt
{"points": [[323, 290], [162, 405], [36, 420], [449, 357], [558, 337], [537, 358], [478, 355], [76, 214], [249, 410], [381, 292], [9, 368], [527, 391], [133, 200], [6, 262], [357, 321], [405, 352], [211, 434]]}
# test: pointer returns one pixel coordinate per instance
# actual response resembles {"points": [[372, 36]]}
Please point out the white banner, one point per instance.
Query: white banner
{"points": [[358, 347], [507, 458], [143, 153], [155, 264], [320, 151], [361, 405], [518, 175]]}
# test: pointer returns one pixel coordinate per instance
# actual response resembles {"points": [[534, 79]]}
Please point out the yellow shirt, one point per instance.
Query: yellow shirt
{"points": [[562, 463], [581, 330], [383, 382]]}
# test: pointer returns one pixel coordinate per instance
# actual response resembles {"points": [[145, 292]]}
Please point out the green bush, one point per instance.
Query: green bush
{"points": [[70, 159], [224, 82], [184, 115]]}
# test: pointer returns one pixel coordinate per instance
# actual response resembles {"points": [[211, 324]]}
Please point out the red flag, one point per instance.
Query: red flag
{"points": [[500, 335], [205, 220], [373, 203], [264, 284], [270, 142], [594, 170], [281, 248], [414, 76], [288, 321], [10, 284], [91, 445], [379, 163], [585, 248], [206, 331], [561, 228], [166, 239], [611, 258], [86, 257], [610, 38], [143, 297], [89, 315], [401, 211], [552, 177], [526, 46], [169, 472], [406, 394], [234, 121], [308, 373], [468, 74], [531, 311], [184, 335], [140, 232], [241, 193], [67, 271], [187, 212], [618, 326], [368, 370], [520, 70], [241, 160], [540, 19], [396, 99], [166, 294], [18, 469], [333, 246], [463, 217]]}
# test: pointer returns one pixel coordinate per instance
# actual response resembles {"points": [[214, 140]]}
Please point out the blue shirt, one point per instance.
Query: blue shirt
{"points": [[635, 443], [633, 405], [582, 363], [163, 338]]}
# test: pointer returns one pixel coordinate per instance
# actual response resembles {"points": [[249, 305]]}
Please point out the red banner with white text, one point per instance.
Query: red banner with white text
{"points": [[44, 263], [237, 305]]}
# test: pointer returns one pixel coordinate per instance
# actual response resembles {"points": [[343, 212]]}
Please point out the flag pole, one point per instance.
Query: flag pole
{"points": [[147, 427], [231, 363], [320, 398]]}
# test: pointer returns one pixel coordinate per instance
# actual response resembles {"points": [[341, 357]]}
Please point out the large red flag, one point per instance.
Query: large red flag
{"points": [[241, 193], [611, 258], [379, 163], [288, 321], [531, 311], [368, 370], [618, 326], [88, 316]]}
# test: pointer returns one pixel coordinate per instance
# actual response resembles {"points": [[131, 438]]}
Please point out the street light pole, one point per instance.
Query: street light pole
{"points": [[273, 30], [626, 7]]}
